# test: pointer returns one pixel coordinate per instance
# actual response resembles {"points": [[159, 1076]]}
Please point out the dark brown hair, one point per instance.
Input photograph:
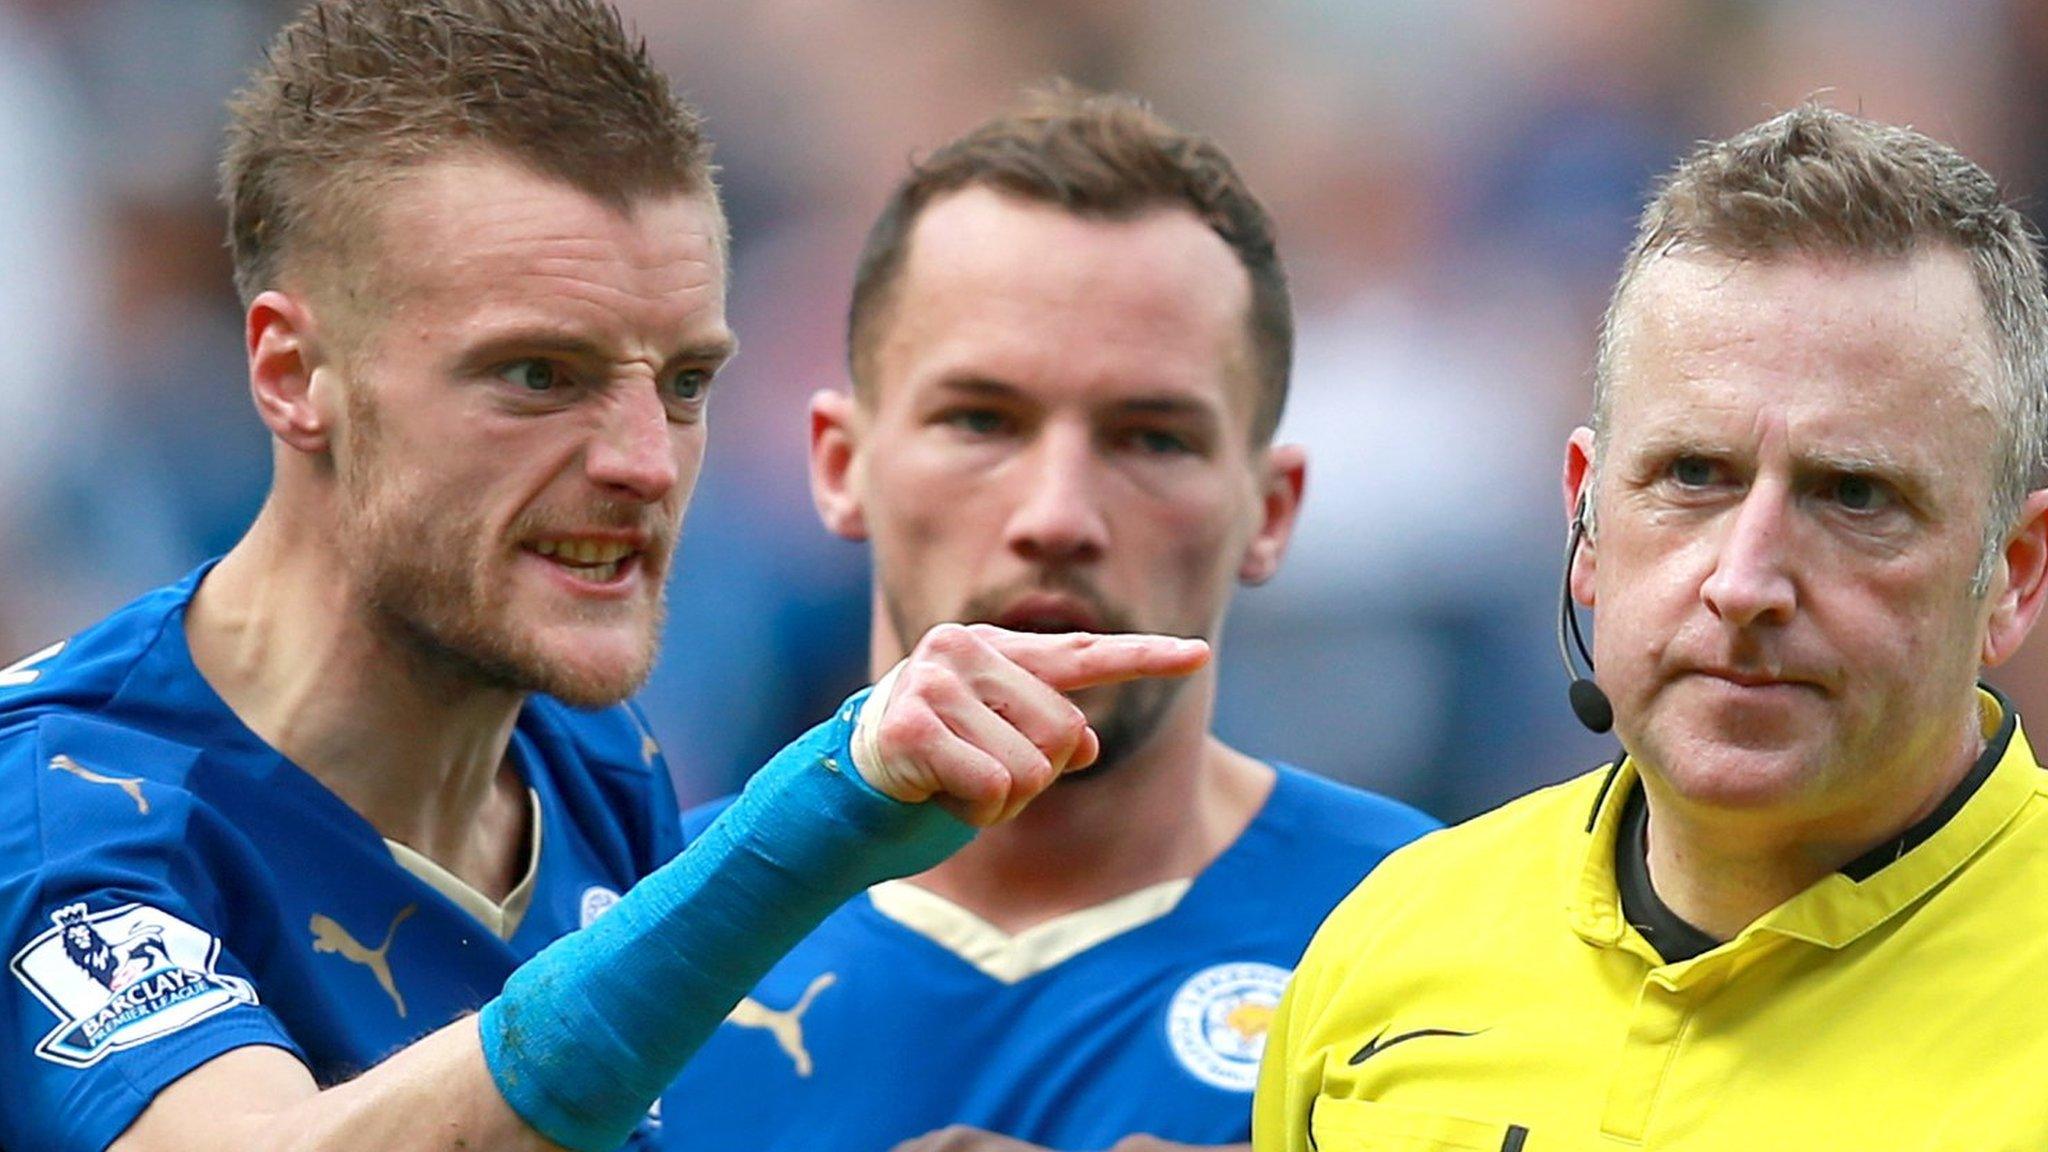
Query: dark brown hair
{"points": [[353, 92], [1105, 156]]}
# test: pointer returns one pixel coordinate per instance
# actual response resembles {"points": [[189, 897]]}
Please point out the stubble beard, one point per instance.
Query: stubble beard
{"points": [[422, 570], [1125, 716]]}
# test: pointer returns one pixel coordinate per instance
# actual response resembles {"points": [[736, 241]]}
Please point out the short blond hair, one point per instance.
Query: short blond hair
{"points": [[353, 92]]}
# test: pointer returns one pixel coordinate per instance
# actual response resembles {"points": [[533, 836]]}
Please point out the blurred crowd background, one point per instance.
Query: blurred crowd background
{"points": [[1454, 180]]}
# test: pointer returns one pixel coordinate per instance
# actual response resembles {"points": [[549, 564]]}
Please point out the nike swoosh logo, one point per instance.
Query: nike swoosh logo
{"points": [[1382, 1042]]}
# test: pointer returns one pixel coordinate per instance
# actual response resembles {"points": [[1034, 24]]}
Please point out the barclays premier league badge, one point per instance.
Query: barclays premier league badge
{"points": [[1218, 1021], [120, 978]]}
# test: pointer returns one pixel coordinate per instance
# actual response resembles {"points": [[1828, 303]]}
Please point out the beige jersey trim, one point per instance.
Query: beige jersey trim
{"points": [[502, 919], [1007, 958]]}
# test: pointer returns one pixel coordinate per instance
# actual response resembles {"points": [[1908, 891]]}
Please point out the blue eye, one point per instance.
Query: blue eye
{"points": [[532, 375], [689, 384]]}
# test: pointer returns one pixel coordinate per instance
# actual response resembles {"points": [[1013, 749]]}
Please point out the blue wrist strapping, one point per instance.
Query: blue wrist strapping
{"points": [[590, 1031]]}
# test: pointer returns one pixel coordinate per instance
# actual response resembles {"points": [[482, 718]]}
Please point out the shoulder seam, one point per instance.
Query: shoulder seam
{"points": [[156, 636]]}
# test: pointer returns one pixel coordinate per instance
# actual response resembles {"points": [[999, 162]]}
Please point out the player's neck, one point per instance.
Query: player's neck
{"points": [[423, 760], [1166, 813], [1721, 871]]}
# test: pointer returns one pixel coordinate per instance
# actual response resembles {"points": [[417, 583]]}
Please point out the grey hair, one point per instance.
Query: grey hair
{"points": [[1818, 181]]}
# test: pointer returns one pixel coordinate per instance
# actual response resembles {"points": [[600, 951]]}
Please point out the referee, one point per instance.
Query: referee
{"points": [[1808, 905]]}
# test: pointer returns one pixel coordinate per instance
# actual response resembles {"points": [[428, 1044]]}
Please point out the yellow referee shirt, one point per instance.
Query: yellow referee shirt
{"points": [[1482, 991]]}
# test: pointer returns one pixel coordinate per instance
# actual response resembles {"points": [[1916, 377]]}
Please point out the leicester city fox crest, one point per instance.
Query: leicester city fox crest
{"points": [[122, 977], [1218, 1021]]}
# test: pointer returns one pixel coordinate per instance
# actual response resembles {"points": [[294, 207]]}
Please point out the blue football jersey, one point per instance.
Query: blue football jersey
{"points": [[1150, 1018], [171, 887]]}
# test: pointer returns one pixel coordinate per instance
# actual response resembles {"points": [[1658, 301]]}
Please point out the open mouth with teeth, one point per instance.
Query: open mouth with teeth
{"points": [[594, 561]]}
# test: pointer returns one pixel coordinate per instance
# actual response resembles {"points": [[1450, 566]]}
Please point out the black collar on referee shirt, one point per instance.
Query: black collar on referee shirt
{"points": [[1677, 940]]}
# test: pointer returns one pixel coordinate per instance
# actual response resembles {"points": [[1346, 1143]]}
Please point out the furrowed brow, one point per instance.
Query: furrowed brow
{"points": [[1875, 463], [571, 344]]}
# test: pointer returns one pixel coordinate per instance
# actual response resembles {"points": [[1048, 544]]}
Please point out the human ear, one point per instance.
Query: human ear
{"points": [[1282, 475], [287, 360], [2017, 586], [835, 463], [1578, 510]]}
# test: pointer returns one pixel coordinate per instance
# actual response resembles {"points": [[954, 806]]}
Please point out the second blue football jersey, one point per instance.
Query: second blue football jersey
{"points": [[899, 1016]]}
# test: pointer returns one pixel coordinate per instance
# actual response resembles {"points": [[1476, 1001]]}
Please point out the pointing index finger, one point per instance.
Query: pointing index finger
{"points": [[1068, 661]]}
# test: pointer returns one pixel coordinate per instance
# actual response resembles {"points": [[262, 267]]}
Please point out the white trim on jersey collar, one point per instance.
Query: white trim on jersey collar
{"points": [[502, 919], [1007, 958]]}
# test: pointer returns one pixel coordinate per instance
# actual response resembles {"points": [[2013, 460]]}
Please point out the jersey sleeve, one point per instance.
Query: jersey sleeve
{"points": [[1281, 1103], [116, 919]]}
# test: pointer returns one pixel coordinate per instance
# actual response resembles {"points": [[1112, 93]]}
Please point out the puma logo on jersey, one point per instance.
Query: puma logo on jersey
{"points": [[649, 749], [785, 1025], [329, 936], [24, 671], [132, 785]]}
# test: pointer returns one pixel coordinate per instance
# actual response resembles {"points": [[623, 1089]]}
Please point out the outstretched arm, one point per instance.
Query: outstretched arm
{"points": [[587, 1033]]}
